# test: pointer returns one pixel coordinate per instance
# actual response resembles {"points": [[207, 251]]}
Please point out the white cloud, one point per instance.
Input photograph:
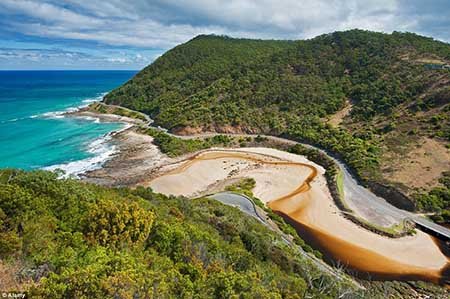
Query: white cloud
{"points": [[163, 24], [13, 57], [50, 13], [39, 54]]}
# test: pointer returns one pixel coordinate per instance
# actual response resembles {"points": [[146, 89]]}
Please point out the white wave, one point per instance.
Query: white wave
{"points": [[88, 118], [102, 151], [9, 121], [57, 114], [95, 120], [60, 114], [13, 120], [88, 101], [53, 114]]}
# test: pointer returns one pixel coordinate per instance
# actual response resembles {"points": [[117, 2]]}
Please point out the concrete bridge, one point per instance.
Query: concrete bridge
{"points": [[432, 228], [375, 209]]}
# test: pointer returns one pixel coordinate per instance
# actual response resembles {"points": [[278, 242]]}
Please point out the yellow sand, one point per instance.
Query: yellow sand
{"points": [[313, 207]]}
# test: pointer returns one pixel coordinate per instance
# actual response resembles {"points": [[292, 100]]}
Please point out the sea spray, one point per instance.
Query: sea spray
{"points": [[102, 149]]}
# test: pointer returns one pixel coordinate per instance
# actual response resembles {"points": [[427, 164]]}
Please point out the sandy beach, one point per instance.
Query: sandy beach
{"points": [[287, 183], [276, 184]]}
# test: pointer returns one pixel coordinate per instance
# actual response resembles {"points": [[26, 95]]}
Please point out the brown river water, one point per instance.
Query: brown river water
{"points": [[361, 262], [358, 261]]}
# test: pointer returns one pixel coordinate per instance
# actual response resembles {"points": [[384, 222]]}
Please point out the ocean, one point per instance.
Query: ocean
{"points": [[33, 132]]}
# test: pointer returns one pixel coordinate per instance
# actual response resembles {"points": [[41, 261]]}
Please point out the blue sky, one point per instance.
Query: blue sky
{"points": [[121, 34]]}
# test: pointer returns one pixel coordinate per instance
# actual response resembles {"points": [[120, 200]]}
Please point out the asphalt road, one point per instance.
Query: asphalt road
{"points": [[376, 209], [360, 199], [246, 205], [240, 201]]}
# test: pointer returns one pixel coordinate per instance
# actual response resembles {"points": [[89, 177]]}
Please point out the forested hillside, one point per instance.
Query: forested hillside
{"points": [[395, 89]]}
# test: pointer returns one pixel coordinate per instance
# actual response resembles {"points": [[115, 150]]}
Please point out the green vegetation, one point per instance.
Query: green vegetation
{"points": [[75, 240], [179, 85], [108, 109], [340, 183], [245, 186], [290, 88], [220, 81], [69, 239], [173, 146], [437, 200]]}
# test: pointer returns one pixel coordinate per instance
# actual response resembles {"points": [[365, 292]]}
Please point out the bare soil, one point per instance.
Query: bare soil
{"points": [[337, 118], [422, 166]]}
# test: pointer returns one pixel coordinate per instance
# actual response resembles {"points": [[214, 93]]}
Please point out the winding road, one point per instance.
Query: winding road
{"points": [[361, 200], [246, 205], [242, 202]]}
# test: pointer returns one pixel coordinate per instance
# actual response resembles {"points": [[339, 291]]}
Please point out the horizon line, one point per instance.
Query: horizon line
{"points": [[57, 70]]}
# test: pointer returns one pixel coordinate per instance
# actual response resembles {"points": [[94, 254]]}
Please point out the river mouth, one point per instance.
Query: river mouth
{"points": [[360, 251]]}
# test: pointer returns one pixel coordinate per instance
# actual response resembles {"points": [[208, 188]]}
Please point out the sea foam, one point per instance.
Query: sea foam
{"points": [[60, 114], [101, 149]]}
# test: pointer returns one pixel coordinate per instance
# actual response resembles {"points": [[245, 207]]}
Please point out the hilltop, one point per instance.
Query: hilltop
{"points": [[379, 101]]}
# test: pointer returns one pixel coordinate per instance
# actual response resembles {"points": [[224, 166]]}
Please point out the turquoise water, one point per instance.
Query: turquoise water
{"points": [[34, 134]]}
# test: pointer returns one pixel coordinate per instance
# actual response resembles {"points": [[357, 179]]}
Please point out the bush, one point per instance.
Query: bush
{"points": [[110, 223]]}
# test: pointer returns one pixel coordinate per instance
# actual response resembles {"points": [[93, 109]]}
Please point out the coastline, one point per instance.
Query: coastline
{"points": [[139, 162], [131, 153], [136, 158], [86, 112], [102, 149]]}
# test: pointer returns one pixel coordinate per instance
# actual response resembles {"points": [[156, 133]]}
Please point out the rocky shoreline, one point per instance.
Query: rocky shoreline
{"points": [[137, 159], [103, 117]]}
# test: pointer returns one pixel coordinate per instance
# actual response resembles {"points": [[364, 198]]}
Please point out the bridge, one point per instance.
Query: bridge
{"points": [[432, 228], [359, 195]]}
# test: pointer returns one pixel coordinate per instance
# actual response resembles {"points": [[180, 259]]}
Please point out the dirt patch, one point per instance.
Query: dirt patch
{"points": [[430, 60], [10, 277], [183, 131], [337, 118], [226, 129], [421, 59], [422, 166]]}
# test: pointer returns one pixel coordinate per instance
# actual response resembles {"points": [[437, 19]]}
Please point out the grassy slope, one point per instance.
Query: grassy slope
{"points": [[290, 88]]}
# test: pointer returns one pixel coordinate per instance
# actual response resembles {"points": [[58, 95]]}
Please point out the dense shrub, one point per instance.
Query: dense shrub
{"points": [[95, 242]]}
